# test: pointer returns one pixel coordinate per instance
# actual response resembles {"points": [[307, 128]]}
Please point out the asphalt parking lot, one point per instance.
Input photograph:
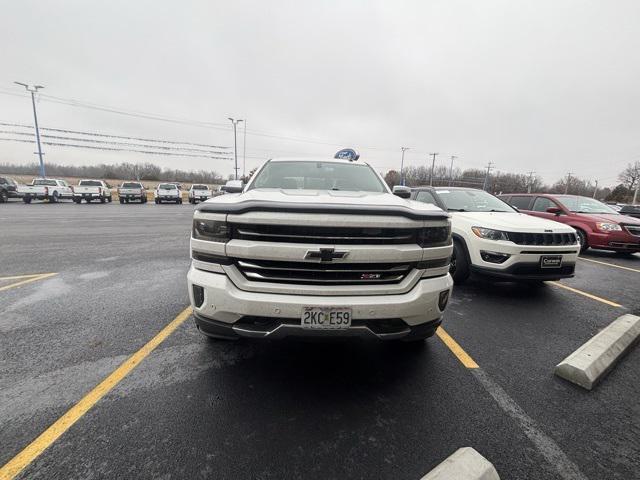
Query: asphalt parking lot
{"points": [[192, 408]]}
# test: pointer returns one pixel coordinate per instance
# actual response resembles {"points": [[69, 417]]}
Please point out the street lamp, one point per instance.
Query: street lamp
{"points": [[404, 149], [33, 89], [235, 143]]}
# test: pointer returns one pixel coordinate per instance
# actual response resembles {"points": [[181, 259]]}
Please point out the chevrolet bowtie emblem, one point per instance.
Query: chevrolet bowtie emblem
{"points": [[325, 254]]}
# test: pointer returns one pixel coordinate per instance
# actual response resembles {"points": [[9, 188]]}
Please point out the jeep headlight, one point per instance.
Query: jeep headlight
{"points": [[489, 233], [211, 230], [608, 227]]}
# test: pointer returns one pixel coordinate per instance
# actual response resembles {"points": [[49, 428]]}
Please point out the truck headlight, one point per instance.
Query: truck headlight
{"points": [[489, 233], [608, 227], [212, 230], [434, 236]]}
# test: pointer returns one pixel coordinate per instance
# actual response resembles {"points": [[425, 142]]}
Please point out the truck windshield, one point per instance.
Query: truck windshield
{"points": [[579, 204], [90, 183], [305, 175], [472, 201]]}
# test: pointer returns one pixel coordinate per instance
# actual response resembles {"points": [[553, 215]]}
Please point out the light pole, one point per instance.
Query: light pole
{"points": [[453, 157], [235, 143], [244, 152], [33, 89], [433, 164], [404, 149]]}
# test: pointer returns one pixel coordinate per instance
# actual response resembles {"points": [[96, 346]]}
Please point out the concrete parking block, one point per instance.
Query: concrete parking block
{"points": [[592, 361], [464, 464]]}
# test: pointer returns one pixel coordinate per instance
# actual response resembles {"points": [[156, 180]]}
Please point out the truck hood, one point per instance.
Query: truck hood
{"points": [[321, 201], [510, 221]]}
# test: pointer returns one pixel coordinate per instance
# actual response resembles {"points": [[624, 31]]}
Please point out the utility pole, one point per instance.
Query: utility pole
{"points": [[566, 187], [404, 149], [235, 144], [33, 89], [244, 152], [595, 191], [530, 181], [453, 157], [635, 193], [486, 177], [433, 164]]}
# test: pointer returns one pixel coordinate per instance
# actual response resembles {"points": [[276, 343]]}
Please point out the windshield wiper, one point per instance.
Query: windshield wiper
{"points": [[456, 210], [494, 210]]}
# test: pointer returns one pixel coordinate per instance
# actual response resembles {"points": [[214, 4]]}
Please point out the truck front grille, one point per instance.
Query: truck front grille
{"points": [[542, 238], [433, 236], [323, 274]]}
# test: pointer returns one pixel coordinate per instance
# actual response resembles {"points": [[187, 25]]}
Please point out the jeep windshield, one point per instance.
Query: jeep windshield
{"points": [[306, 175], [472, 200], [577, 204]]}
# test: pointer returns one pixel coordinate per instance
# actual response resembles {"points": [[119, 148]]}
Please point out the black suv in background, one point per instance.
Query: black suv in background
{"points": [[8, 189], [630, 211]]}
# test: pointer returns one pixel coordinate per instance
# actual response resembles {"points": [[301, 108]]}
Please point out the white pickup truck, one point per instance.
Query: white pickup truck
{"points": [[168, 192], [51, 189], [199, 193], [319, 248], [89, 190], [132, 191]]}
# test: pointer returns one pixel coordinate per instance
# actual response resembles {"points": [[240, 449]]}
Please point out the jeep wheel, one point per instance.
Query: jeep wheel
{"points": [[582, 240], [459, 267]]}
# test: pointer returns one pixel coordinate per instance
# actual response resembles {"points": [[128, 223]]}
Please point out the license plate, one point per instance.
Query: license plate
{"points": [[551, 261], [326, 318]]}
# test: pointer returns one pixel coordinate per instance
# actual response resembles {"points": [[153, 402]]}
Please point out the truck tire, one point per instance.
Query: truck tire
{"points": [[459, 268], [88, 200], [143, 199], [53, 198], [103, 200], [77, 200], [27, 199], [122, 201], [179, 202], [109, 198], [158, 202], [4, 197]]}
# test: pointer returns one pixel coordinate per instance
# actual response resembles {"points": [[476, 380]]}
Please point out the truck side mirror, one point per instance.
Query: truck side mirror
{"points": [[402, 191]]}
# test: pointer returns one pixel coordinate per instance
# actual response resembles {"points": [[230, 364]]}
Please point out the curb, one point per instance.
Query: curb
{"points": [[592, 361], [464, 464]]}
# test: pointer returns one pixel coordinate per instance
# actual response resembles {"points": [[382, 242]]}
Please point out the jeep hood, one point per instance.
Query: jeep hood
{"points": [[510, 222]]}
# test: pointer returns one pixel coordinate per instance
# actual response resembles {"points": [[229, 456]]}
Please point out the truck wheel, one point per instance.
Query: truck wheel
{"points": [[54, 198], [102, 199], [157, 202], [27, 199], [110, 198], [122, 201], [459, 267], [88, 200], [143, 199], [4, 198], [179, 202], [77, 200], [582, 239]]}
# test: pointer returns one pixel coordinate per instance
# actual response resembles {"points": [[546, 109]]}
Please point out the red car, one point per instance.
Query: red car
{"points": [[598, 225]]}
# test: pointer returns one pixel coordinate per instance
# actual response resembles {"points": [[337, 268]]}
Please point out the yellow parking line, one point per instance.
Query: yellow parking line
{"points": [[40, 276], [60, 426], [609, 264], [456, 349], [16, 277], [588, 295]]}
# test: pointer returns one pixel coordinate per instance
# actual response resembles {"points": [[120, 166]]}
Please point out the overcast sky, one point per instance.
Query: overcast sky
{"points": [[550, 86]]}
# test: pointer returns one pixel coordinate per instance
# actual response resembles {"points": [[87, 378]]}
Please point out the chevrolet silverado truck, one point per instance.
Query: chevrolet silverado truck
{"points": [[89, 190], [50, 189], [319, 248], [132, 191], [199, 193]]}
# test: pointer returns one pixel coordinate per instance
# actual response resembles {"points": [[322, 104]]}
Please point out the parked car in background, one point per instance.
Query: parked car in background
{"points": [[89, 190], [50, 189], [630, 211], [597, 225], [199, 193], [492, 239], [132, 191], [168, 192], [8, 189]]}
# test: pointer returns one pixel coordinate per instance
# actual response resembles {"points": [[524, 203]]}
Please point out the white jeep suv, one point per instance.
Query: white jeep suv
{"points": [[319, 248], [491, 238]]}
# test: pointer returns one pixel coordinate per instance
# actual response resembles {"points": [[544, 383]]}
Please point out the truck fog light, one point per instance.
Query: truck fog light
{"points": [[494, 257], [443, 299], [198, 295]]}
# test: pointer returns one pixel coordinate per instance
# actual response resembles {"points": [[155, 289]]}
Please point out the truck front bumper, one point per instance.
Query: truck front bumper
{"points": [[223, 310]]}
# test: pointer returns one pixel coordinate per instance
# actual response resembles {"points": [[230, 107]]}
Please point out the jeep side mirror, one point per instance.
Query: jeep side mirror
{"points": [[554, 210], [402, 191]]}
